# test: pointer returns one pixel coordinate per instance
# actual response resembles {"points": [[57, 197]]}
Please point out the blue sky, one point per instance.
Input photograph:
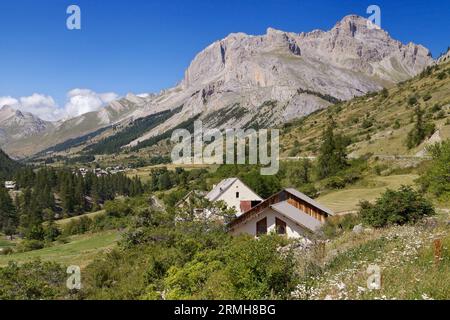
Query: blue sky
{"points": [[145, 46]]}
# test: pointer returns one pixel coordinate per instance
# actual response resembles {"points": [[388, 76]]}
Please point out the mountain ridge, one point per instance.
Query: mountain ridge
{"points": [[263, 80]]}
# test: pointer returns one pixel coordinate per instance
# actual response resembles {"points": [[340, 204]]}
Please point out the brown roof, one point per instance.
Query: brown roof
{"points": [[276, 199], [297, 215]]}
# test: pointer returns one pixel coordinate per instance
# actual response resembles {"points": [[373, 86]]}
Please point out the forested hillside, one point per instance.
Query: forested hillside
{"points": [[7, 166]]}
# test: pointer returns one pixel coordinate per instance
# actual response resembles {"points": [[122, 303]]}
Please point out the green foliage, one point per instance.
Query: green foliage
{"points": [[335, 226], [136, 129], [30, 245], [187, 125], [396, 125], [32, 281], [436, 179], [396, 207], [7, 166], [332, 154], [237, 271], [77, 195], [422, 130], [9, 219], [427, 97], [300, 173], [412, 101], [51, 232], [367, 123]]}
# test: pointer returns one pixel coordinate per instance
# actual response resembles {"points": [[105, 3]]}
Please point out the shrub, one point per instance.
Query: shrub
{"points": [[309, 189], [6, 251], [427, 97], [30, 245], [334, 226], [32, 281], [367, 123], [77, 226], [442, 75], [51, 232], [335, 183], [436, 178], [396, 207], [412, 101]]}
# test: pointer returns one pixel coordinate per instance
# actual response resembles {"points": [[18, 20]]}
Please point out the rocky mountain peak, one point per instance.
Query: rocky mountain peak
{"points": [[444, 58]]}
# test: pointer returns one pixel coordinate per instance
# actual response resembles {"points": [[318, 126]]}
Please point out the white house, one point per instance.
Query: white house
{"points": [[235, 194], [10, 185], [288, 212]]}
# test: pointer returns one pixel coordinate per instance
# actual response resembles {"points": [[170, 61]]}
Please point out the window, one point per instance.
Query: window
{"points": [[237, 195], [280, 226], [261, 227]]}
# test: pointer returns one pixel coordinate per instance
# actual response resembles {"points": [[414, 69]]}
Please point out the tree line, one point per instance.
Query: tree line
{"points": [[49, 193]]}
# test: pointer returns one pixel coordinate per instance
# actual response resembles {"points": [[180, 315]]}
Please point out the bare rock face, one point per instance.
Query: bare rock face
{"points": [[244, 80], [15, 124], [298, 73]]}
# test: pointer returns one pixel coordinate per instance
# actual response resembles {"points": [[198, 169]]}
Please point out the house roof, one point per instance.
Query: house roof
{"points": [[223, 186], [220, 188], [297, 215], [278, 199], [305, 198]]}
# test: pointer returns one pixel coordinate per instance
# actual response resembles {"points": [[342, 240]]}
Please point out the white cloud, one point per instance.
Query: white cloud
{"points": [[42, 106], [79, 101], [8, 101], [82, 101]]}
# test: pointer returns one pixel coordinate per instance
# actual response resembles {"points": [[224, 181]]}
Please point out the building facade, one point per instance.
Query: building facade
{"points": [[288, 212]]}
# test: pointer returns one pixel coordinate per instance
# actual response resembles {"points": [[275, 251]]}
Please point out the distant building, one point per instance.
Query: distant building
{"points": [[191, 200], [288, 212], [10, 185], [235, 194]]}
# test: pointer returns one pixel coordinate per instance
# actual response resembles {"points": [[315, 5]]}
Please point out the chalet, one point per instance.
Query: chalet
{"points": [[235, 194], [288, 212], [10, 185]]}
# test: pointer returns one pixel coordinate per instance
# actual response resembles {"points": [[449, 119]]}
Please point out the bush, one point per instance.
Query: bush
{"points": [[238, 271], [335, 182], [436, 179], [32, 281], [6, 251], [51, 232], [310, 190], [117, 208], [427, 97], [77, 226], [30, 245], [412, 101], [396, 207], [335, 226]]}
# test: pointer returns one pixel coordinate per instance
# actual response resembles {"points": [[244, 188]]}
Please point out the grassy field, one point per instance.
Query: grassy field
{"points": [[5, 243], [79, 251], [348, 199]]}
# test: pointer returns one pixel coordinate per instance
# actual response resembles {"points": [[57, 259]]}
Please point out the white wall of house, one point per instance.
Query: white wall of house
{"points": [[236, 193], [293, 230]]}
